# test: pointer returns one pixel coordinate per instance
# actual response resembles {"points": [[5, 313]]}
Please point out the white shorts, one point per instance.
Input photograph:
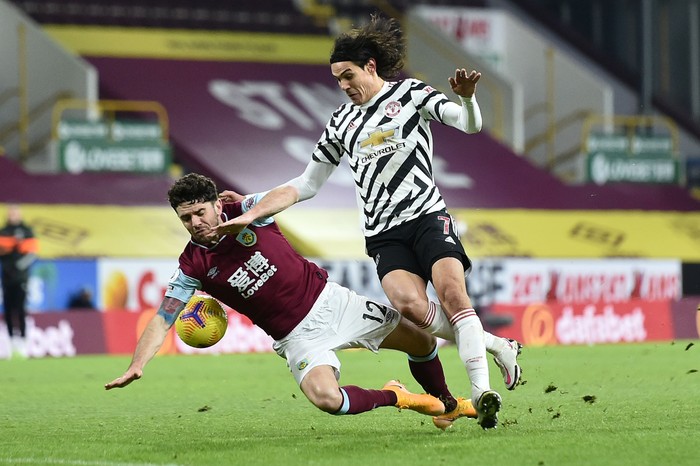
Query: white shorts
{"points": [[339, 319]]}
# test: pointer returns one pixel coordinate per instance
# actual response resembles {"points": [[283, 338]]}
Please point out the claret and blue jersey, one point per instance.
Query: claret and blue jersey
{"points": [[256, 272]]}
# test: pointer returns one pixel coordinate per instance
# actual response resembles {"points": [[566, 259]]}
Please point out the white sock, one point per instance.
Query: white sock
{"points": [[494, 344], [469, 335], [436, 323]]}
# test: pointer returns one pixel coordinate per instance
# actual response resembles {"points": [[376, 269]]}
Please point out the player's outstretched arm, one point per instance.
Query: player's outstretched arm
{"points": [[150, 341], [274, 201]]}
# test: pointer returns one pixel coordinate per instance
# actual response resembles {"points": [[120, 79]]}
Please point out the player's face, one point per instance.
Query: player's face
{"points": [[200, 219], [359, 84], [14, 216]]}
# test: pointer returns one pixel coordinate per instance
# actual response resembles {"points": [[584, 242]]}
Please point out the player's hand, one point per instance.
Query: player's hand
{"points": [[128, 377], [229, 197], [232, 227], [464, 84]]}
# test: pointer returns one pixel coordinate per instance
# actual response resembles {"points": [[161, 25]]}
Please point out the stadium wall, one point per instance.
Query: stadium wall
{"points": [[72, 333], [89, 231], [551, 302]]}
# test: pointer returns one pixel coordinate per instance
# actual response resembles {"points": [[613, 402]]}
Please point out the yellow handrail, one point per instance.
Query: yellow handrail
{"points": [[630, 122], [563, 122], [102, 106]]}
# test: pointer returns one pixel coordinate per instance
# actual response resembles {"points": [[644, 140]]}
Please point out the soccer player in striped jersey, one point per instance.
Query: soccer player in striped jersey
{"points": [[259, 274], [384, 131]]}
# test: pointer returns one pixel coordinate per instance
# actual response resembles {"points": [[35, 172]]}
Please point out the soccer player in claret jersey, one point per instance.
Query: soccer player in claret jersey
{"points": [[384, 131], [258, 273]]}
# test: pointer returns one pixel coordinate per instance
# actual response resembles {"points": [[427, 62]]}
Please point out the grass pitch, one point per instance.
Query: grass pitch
{"points": [[634, 404]]}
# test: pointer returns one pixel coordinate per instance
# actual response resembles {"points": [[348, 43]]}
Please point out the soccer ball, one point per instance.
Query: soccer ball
{"points": [[202, 323]]}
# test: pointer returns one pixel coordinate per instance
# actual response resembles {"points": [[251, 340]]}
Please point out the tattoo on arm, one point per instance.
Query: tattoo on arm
{"points": [[170, 308]]}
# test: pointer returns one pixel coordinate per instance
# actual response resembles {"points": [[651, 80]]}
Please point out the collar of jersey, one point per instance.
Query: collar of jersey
{"points": [[381, 92]]}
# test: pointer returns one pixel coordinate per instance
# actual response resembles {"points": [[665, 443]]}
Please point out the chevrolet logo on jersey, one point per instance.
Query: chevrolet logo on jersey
{"points": [[378, 138]]}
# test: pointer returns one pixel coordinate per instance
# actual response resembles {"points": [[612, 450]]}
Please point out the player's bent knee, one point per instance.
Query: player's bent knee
{"points": [[412, 309], [328, 400], [321, 388]]}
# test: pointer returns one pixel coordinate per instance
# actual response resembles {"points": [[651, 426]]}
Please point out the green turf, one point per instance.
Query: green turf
{"points": [[247, 410]]}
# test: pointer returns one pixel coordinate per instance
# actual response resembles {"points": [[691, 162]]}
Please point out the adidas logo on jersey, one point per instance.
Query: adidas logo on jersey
{"points": [[450, 240]]}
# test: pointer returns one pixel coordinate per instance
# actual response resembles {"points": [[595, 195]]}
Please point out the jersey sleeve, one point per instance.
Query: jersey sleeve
{"points": [[182, 287], [309, 182], [434, 105], [428, 101], [466, 117], [249, 202]]}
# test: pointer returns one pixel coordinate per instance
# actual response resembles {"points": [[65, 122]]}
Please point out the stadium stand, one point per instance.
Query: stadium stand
{"points": [[284, 16], [598, 31], [213, 137], [242, 15], [88, 188], [296, 17], [190, 125]]}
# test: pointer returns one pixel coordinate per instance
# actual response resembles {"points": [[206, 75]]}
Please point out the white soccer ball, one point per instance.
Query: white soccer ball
{"points": [[202, 323]]}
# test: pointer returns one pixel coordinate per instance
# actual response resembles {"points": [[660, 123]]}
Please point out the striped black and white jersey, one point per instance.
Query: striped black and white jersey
{"points": [[389, 148]]}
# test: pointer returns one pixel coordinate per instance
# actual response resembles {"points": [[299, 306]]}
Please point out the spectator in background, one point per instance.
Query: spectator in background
{"points": [[81, 300], [18, 248]]}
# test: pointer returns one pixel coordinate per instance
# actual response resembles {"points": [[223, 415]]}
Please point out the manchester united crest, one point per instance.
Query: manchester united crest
{"points": [[392, 109]]}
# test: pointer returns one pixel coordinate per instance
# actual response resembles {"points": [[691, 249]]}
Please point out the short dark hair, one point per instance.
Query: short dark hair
{"points": [[380, 39], [191, 189]]}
